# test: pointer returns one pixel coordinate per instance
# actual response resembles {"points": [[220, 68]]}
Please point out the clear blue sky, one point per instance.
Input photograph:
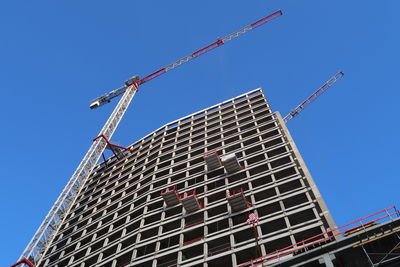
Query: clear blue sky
{"points": [[55, 56]]}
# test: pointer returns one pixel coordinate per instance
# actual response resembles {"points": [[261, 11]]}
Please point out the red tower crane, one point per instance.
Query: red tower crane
{"points": [[44, 236]]}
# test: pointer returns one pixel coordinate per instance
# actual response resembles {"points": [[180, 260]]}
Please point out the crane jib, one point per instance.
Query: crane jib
{"points": [[209, 47], [198, 53], [266, 19], [152, 76], [204, 50]]}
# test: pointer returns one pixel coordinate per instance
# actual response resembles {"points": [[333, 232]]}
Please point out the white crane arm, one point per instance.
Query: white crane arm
{"points": [[43, 237]]}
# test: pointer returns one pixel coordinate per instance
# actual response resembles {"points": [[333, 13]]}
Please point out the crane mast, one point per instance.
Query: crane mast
{"points": [[46, 232], [312, 97]]}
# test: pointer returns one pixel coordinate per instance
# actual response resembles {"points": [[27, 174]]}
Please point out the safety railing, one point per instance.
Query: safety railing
{"points": [[236, 193], [357, 226], [194, 240], [189, 194], [167, 190], [171, 263], [219, 249]]}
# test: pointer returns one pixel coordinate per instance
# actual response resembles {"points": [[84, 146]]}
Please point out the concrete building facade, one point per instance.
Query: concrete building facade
{"points": [[121, 218]]}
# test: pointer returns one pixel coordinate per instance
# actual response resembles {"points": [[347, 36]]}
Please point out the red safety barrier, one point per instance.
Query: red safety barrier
{"points": [[23, 261], [193, 241], [234, 192], [214, 252], [391, 211], [169, 189]]}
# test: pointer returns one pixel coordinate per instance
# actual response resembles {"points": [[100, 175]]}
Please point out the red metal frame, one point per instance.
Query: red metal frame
{"points": [[252, 219], [164, 264], [334, 232], [187, 194], [23, 261], [193, 224], [262, 21], [210, 253], [111, 146], [192, 241], [231, 193], [210, 153], [168, 189]]}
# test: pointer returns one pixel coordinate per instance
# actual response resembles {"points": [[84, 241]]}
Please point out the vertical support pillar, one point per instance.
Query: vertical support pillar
{"points": [[232, 241], [307, 175], [327, 260]]}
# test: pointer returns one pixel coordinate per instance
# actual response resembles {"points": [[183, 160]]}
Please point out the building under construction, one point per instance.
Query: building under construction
{"points": [[225, 186], [183, 197]]}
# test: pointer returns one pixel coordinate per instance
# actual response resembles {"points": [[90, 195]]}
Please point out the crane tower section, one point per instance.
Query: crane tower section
{"points": [[47, 230]]}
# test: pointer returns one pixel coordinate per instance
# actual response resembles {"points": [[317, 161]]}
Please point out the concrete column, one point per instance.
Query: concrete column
{"points": [[307, 174], [232, 241], [327, 260]]}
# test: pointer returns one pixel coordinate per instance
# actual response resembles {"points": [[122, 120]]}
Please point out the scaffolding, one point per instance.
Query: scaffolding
{"points": [[231, 163], [190, 201], [170, 196], [237, 200], [380, 258], [314, 242], [212, 160]]}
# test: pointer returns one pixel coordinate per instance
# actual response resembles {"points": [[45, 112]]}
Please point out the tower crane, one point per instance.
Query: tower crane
{"points": [[46, 232], [313, 96]]}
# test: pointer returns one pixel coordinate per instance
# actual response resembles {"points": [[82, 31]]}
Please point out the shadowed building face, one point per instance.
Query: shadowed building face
{"points": [[183, 197]]}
